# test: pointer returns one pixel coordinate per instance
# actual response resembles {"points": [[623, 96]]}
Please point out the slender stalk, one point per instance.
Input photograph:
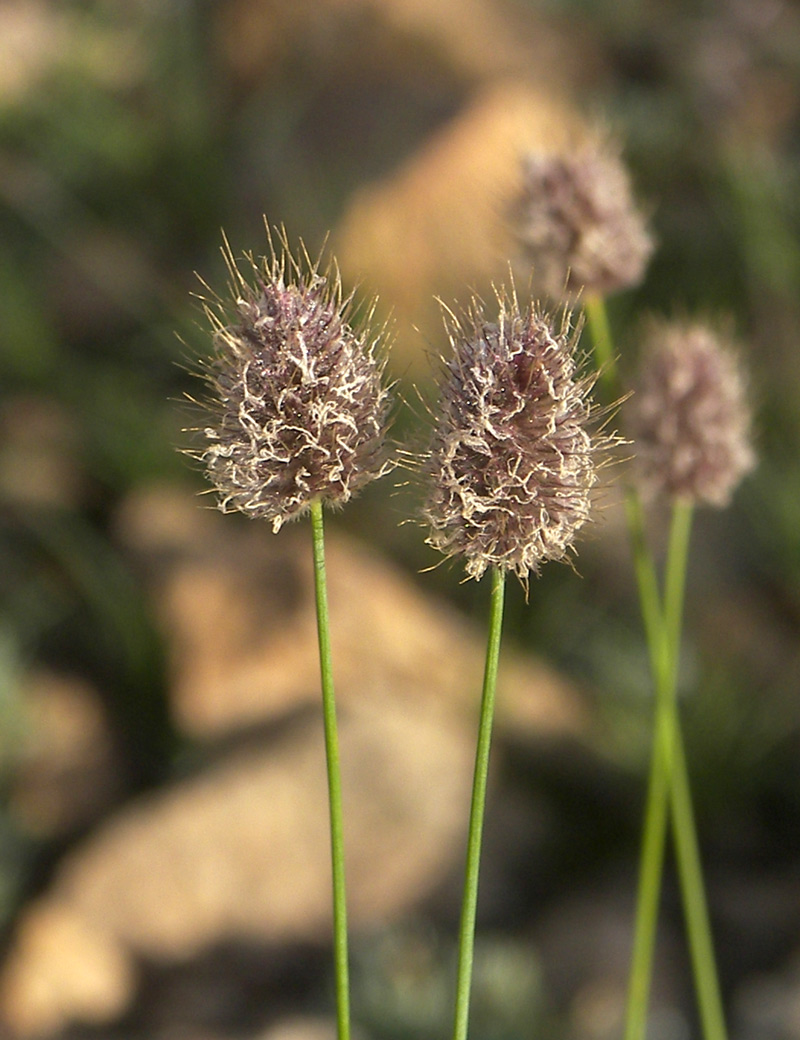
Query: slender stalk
{"points": [[668, 780], [684, 831], [466, 938], [646, 579], [669, 777], [675, 577], [695, 908], [334, 779], [651, 862], [602, 344]]}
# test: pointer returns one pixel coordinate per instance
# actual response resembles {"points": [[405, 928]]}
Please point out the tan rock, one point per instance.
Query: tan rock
{"points": [[237, 607], [475, 38], [240, 851], [436, 225], [301, 1028], [63, 967]]}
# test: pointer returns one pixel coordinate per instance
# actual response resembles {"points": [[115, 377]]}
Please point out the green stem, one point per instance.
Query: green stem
{"points": [[668, 780], [675, 579], [651, 859], [646, 580], [649, 889], [654, 831], [602, 343], [334, 779], [684, 830], [466, 938], [695, 907]]}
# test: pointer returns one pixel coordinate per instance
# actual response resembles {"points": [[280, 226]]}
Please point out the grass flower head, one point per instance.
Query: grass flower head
{"points": [[689, 416], [298, 411], [577, 223], [513, 458]]}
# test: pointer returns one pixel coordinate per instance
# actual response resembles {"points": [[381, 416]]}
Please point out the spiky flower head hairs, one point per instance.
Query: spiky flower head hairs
{"points": [[577, 223], [513, 457], [297, 408], [689, 416]]}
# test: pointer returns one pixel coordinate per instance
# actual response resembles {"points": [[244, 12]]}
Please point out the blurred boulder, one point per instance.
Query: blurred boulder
{"points": [[241, 850], [475, 38], [436, 226], [238, 850], [301, 1028], [63, 967], [236, 604]]}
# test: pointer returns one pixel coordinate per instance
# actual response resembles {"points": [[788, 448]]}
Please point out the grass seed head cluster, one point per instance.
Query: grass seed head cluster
{"points": [[577, 223], [513, 458], [298, 408], [689, 416]]}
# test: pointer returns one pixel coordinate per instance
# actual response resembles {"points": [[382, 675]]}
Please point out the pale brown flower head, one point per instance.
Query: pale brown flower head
{"points": [[689, 415], [578, 225], [297, 410], [512, 460]]}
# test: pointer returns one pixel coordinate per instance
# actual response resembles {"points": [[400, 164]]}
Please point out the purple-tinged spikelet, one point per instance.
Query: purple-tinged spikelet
{"points": [[689, 416], [577, 223], [512, 460], [297, 405]]}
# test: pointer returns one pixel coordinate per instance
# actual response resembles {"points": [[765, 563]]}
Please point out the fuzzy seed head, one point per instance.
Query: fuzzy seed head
{"points": [[689, 416], [577, 223], [297, 408], [512, 460]]}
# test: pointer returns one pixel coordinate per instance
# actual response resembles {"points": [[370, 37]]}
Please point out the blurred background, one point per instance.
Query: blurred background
{"points": [[163, 846]]}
